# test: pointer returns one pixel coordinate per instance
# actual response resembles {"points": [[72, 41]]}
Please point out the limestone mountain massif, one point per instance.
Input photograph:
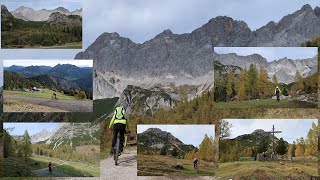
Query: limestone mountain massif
{"points": [[170, 61], [29, 14], [285, 69], [72, 134]]}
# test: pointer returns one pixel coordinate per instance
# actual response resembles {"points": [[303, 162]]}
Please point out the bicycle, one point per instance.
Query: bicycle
{"points": [[116, 149], [196, 167], [54, 97]]}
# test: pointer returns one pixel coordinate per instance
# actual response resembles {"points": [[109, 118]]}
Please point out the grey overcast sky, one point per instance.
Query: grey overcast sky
{"points": [[141, 20], [271, 53], [188, 134], [291, 128], [71, 5], [32, 128]]}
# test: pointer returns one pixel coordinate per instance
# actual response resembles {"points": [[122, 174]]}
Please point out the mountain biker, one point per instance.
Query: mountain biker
{"points": [[50, 167], [54, 95], [119, 123], [277, 93], [195, 163]]}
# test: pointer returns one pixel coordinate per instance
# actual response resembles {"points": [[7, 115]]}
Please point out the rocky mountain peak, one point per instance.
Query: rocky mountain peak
{"points": [[306, 7], [62, 9], [157, 137], [166, 33], [317, 11], [5, 14], [258, 131], [43, 135]]}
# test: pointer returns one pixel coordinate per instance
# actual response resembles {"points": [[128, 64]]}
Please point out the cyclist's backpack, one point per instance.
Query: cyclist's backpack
{"points": [[121, 116]]}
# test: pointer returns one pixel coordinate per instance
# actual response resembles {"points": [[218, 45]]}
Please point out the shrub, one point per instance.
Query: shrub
{"points": [[71, 93], [82, 95]]}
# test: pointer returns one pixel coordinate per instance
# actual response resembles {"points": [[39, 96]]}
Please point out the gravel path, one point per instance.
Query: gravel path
{"points": [[45, 172], [25, 104], [126, 169]]}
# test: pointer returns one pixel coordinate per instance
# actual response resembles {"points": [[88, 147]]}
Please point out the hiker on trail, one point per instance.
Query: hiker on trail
{"points": [[118, 124], [50, 167], [277, 93], [195, 163]]}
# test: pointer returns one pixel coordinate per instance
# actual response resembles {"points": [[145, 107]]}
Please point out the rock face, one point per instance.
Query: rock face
{"points": [[42, 136], [256, 136], [5, 14], [68, 133], [149, 100], [291, 30], [29, 14], [285, 69], [58, 18], [170, 61], [155, 137]]}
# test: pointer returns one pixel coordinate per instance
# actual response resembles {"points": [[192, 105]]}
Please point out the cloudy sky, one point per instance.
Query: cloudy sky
{"points": [[32, 128], [188, 134], [271, 53], [291, 128], [71, 5], [52, 63], [141, 20]]}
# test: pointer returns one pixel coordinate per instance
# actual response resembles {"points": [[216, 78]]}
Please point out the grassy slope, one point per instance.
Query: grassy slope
{"points": [[259, 169], [72, 168], [45, 94], [264, 103], [16, 167], [160, 165]]}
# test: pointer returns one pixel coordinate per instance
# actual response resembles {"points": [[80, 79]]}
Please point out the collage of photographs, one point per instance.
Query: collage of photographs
{"points": [[159, 90]]}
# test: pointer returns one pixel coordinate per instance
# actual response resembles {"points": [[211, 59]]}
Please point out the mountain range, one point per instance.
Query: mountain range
{"points": [[62, 76], [170, 61], [284, 68], [29, 14], [73, 134], [155, 138]]}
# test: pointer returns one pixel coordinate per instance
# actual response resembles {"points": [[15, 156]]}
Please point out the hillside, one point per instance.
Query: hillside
{"points": [[62, 77], [30, 71], [14, 81], [255, 136], [154, 140], [52, 82], [19, 33]]}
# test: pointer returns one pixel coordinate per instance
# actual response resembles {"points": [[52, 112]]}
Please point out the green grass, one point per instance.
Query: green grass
{"points": [[154, 165], [71, 168], [264, 103], [259, 169], [15, 167], [46, 93], [77, 45]]}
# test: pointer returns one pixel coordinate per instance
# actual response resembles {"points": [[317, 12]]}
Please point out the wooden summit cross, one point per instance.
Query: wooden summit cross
{"points": [[273, 132]]}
